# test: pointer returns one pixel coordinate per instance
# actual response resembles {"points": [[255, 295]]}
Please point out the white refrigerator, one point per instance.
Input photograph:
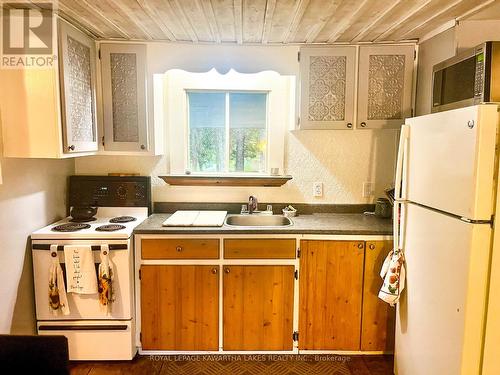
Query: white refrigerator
{"points": [[446, 198]]}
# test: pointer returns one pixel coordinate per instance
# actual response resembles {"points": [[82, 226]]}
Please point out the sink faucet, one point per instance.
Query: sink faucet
{"points": [[252, 204]]}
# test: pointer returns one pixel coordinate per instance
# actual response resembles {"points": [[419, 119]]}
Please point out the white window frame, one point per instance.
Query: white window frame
{"points": [[280, 111], [227, 128]]}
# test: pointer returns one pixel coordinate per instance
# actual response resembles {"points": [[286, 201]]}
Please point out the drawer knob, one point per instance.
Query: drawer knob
{"points": [[227, 270], [179, 249], [214, 270], [360, 245], [363, 124], [372, 246]]}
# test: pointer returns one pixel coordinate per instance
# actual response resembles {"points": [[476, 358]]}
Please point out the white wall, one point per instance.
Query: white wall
{"points": [[33, 194], [342, 160]]}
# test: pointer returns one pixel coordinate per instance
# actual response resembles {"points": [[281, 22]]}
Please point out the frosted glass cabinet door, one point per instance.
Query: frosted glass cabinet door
{"points": [[327, 87], [77, 66], [385, 86], [124, 97]]}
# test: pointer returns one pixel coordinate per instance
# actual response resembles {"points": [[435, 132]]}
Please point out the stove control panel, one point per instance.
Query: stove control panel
{"points": [[110, 191]]}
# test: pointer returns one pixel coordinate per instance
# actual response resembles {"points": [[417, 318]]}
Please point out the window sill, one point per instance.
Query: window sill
{"points": [[237, 180]]}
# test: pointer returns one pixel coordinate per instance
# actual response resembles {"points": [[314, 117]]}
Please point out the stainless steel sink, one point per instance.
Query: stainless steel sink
{"points": [[258, 221]]}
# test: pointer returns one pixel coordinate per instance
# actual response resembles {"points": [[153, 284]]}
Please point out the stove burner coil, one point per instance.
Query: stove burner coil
{"points": [[83, 220], [110, 228], [122, 219], [70, 227]]}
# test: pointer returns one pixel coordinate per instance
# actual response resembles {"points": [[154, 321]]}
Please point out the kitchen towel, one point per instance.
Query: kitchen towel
{"points": [[57, 291], [80, 269], [393, 272], [105, 280]]}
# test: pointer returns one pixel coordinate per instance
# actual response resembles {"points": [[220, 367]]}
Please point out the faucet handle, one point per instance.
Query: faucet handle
{"points": [[269, 207], [244, 208]]}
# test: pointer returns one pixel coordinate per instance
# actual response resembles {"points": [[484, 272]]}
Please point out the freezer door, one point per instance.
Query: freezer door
{"points": [[440, 316], [450, 161]]}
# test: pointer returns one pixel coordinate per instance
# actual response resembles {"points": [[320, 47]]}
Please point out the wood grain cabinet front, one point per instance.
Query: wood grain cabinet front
{"points": [[180, 307], [258, 307], [331, 284], [378, 321], [245, 248], [180, 248]]}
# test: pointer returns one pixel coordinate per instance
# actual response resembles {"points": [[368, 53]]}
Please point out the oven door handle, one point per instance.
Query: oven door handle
{"points": [[87, 327], [94, 247]]}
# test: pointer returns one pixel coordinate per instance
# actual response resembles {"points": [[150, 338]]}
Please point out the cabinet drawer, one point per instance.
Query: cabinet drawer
{"points": [[259, 248], [180, 249]]}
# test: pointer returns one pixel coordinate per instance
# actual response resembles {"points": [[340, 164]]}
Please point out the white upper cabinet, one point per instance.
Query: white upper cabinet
{"points": [[385, 86], [50, 112], [77, 56], [383, 92], [125, 124], [327, 87]]}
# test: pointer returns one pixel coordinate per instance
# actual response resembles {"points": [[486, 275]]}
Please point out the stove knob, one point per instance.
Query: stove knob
{"points": [[122, 192]]}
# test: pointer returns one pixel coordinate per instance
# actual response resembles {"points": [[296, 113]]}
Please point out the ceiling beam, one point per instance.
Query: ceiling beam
{"points": [[186, 24], [144, 4], [475, 10], [131, 14], [343, 25], [106, 19], [268, 20], [403, 19], [367, 29], [208, 10], [238, 20], [300, 9]]}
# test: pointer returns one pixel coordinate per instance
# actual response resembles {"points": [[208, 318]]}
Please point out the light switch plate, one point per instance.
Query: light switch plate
{"points": [[317, 189]]}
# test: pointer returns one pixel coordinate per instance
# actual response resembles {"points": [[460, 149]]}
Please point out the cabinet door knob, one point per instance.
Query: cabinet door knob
{"points": [[71, 148], [143, 147], [372, 246], [179, 249], [349, 125], [227, 270], [360, 245], [214, 270], [363, 124]]}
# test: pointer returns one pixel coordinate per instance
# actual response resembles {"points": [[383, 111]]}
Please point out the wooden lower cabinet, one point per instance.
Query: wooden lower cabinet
{"points": [[258, 307], [378, 321], [180, 307], [331, 285]]}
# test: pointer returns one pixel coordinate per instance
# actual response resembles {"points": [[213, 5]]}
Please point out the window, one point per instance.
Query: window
{"points": [[220, 124], [227, 131]]}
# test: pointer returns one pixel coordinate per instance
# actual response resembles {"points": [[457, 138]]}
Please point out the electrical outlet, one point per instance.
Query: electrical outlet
{"points": [[317, 189], [368, 189]]}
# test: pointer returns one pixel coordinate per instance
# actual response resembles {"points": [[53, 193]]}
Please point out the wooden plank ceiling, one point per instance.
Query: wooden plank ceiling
{"points": [[266, 21]]}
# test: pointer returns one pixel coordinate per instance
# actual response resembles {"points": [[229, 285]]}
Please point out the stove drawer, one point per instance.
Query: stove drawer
{"points": [[178, 248]]}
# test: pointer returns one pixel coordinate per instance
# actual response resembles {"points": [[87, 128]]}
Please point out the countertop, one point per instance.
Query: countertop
{"points": [[321, 223]]}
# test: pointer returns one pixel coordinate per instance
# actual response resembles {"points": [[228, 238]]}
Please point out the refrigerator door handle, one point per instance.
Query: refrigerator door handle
{"points": [[401, 158]]}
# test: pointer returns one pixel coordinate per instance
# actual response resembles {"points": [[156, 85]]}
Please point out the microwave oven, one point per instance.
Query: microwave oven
{"points": [[472, 77]]}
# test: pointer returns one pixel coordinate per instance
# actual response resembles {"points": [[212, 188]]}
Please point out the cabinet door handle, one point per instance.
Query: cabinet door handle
{"points": [[179, 249], [349, 125], [363, 124], [372, 246], [227, 270], [360, 245], [71, 148], [214, 270]]}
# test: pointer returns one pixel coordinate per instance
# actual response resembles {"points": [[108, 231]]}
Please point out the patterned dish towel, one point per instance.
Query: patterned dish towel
{"points": [[80, 269], [393, 272], [57, 290], [105, 280]]}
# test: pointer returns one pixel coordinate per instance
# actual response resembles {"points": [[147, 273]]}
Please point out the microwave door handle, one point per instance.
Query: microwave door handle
{"points": [[402, 154]]}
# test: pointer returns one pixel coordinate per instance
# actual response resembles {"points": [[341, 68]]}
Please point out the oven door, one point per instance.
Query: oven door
{"points": [[85, 306]]}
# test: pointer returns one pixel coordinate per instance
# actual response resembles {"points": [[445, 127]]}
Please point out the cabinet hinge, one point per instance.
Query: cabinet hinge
{"points": [[298, 56], [295, 336], [140, 274], [140, 337], [298, 121], [296, 275], [298, 252], [99, 53], [414, 54], [412, 112], [102, 140]]}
